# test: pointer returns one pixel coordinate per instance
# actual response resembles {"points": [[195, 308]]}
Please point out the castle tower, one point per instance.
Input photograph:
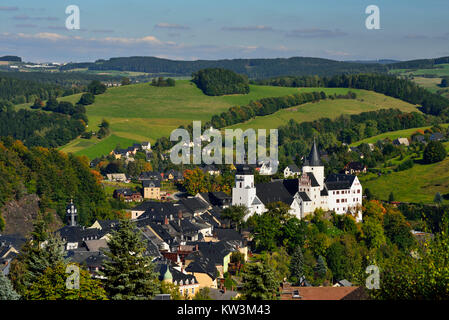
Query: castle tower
{"points": [[314, 165]]}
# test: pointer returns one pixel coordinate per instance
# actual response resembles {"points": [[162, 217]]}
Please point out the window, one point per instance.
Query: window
{"points": [[193, 290]]}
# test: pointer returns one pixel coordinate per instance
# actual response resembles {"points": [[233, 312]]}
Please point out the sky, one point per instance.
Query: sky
{"points": [[213, 29]]}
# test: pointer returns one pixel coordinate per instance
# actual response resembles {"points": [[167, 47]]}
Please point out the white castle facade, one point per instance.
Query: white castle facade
{"points": [[339, 192]]}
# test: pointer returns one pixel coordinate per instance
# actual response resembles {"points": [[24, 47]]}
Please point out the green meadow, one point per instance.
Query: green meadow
{"points": [[365, 101], [141, 112], [418, 184]]}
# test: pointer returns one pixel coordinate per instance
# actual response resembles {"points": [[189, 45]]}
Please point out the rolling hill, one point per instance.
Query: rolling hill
{"points": [[142, 112], [365, 101]]}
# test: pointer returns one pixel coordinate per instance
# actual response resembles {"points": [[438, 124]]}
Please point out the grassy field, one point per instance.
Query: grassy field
{"points": [[145, 113], [393, 135], [439, 70], [366, 101], [142, 112], [418, 184]]}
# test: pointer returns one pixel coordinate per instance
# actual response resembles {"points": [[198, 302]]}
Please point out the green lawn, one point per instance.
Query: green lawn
{"points": [[418, 184], [366, 101]]}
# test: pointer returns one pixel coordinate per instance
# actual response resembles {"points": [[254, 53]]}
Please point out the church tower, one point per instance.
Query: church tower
{"points": [[244, 192], [71, 213], [314, 165]]}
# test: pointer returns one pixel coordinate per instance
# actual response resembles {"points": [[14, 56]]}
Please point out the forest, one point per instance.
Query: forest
{"points": [[218, 82], [55, 177], [37, 128]]}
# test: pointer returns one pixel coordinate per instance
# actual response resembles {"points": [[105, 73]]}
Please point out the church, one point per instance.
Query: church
{"points": [[340, 193]]}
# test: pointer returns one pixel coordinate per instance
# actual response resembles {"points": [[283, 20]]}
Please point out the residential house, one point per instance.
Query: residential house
{"points": [[151, 189], [188, 284], [218, 199], [117, 177], [401, 141], [354, 167], [437, 136], [127, 195], [291, 170], [210, 169]]}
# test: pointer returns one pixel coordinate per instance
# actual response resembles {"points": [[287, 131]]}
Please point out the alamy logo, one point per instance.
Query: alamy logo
{"points": [[373, 280], [73, 280], [212, 153], [73, 20], [373, 20]]}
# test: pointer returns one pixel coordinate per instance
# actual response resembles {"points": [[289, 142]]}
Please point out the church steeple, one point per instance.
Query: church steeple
{"points": [[313, 159], [71, 213]]}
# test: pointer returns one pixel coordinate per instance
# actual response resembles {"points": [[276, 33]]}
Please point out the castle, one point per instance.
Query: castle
{"points": [[340, 193]]}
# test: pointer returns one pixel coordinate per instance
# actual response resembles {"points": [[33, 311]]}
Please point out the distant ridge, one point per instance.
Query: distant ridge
{"points": [[253, 68], [11, 58]]}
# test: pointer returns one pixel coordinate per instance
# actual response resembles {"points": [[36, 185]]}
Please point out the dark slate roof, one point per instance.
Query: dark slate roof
{"points": [[339, 181], [227, 235], [149, 175], [324, 192], [314, 182], [244, 169], [154, 183], [16, 240], [280, 190], [203, 266], [161, 267], [80, 234], [108, 224], [194, 205], [293, 167], [124, 191], [304, 196], [313, 159], [157, 211], [216, 198]]}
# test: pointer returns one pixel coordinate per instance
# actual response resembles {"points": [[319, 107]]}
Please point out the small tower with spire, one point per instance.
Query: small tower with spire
{"points": [[314, 165], [71, 213]]}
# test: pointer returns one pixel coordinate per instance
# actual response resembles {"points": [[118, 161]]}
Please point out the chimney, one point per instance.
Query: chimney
{"points": [[180, 214], [165, 220], [196, 247]]}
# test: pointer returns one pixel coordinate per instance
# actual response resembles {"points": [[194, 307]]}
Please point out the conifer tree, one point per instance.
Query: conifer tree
{"points": [[128, 271], [7, 291], [321, 267], [259, 282], [297, 264]]}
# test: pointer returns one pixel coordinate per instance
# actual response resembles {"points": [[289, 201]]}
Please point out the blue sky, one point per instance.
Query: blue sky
{"points": [[200, 29]]}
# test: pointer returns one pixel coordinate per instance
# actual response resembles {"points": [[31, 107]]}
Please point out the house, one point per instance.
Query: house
{"points": [[150, 175], [146, 145], [151, 189], [437, 136], [401, 141], [188, 284], [127, 195], [9, 250], [291, 170], [419, 138], [267, 169], [210, 169], [354, 168], [211, 261], [117, 177], [338, 193], [173, 175], [219, 199], [223, 294]]}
